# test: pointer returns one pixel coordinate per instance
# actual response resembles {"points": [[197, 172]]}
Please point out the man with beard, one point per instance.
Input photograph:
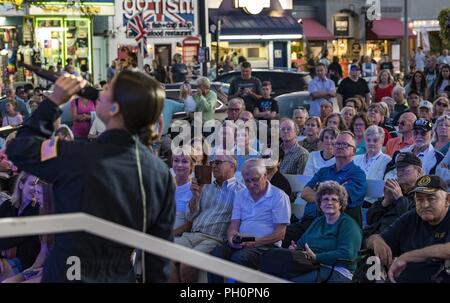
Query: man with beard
{"points": [[395, 202]]}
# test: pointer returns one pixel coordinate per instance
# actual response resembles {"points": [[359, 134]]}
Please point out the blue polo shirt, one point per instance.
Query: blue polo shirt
{"points": [[350, 176], [170, 108]]}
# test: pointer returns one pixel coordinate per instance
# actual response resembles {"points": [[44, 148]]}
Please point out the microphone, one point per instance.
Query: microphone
{"points": [[88, 91]]}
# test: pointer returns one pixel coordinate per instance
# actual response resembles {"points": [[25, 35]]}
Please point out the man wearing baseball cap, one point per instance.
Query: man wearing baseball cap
{"points": [[420, 238], [426, 110], [422, 147], [395, 201], [353, 85]]}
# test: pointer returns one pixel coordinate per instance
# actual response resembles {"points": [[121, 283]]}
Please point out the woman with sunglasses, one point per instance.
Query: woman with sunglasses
{"points": [[440, 105], [442, 134], [313, 127]]}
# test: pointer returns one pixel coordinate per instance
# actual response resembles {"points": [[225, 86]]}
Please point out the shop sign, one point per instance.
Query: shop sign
{"points": [[64, 10], [162, 18], [11, 8], [252, 7], [341, 26], [356, 48]]}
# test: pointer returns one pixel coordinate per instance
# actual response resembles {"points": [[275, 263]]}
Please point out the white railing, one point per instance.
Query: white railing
{"points": [[80, 222]]}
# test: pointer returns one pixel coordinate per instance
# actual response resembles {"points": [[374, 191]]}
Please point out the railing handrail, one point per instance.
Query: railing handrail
{"points": [[81, 222]]}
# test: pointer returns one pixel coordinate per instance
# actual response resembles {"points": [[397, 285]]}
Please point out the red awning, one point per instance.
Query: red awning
{"points": [[387, 29], [313, 30]]}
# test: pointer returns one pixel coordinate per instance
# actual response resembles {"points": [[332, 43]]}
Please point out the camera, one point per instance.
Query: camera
{"points": [[237, 239]]}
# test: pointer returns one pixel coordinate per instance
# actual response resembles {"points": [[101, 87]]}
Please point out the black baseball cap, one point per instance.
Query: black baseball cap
{"points": [[354, 67], [406, 159], [429, 184], [423, 125]]}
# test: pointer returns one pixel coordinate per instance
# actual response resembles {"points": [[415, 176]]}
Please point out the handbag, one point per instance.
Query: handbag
{"points": [[286, 263]]}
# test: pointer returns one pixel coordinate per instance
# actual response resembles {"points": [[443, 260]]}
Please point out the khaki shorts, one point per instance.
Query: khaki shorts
{"points": [[198, 241]]}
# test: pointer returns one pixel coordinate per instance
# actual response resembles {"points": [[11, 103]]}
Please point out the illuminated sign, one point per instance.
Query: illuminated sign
{"points": [[162, 18], [252, 7]]}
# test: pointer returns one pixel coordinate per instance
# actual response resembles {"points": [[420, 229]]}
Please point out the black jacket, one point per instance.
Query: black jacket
{"points": [[380, 217], [99, 178]]}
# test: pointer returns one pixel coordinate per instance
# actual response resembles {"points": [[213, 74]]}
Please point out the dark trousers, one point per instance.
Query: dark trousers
{"points": [[249, 257], [294, 231]]}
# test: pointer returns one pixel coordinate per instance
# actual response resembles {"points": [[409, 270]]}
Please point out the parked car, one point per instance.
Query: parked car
{"points": [[283, 82], [288, 102]]}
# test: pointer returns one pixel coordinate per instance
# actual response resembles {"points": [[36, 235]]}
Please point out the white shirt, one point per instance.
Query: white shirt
{"points": [[258, 218], [189, 104], [427, 157], [420, 61], [97, 127], [316, 162], [373, 167]]}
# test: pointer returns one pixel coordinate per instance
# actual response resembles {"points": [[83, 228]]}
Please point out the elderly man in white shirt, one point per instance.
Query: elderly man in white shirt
{"points": [[422, 148], [260, 215]]}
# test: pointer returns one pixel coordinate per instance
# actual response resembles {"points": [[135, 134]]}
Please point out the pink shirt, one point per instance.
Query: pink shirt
{"points": [[81, 128]]}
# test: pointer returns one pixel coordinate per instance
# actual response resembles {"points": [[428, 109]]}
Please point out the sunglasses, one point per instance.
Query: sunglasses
{"points": [[439, 103]]}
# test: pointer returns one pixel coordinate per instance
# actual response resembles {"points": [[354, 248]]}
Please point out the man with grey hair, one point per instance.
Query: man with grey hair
{"points": [[235, 107], [261, 213], [419, 238], [209, 210]]}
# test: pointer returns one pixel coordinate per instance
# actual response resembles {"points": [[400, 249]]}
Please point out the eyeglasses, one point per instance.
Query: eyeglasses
{"points": [[253, 180], [439, 103], [234, 109], [418, 132], [343, 145], [217, 162]]}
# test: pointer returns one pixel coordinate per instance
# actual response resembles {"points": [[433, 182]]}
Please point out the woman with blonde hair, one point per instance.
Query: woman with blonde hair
{"points": [[441, 131], [347, 114], [31, 197], [440, 105]]}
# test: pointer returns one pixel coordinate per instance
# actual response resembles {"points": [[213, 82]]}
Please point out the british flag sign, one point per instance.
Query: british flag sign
{"points": [[162, 18], [136, 25]]}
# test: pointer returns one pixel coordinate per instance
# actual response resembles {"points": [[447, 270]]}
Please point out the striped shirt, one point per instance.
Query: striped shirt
{"points": [[215, 207]]}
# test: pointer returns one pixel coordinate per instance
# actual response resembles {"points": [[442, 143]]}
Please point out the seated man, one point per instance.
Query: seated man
{"points": [[395, 202], [209, 210], [261, 211], [427, 225], [346, 173]]}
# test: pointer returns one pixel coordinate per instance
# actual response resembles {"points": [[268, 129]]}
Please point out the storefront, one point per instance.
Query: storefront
{"points": [[64, 32], [155, 30], [11, 20], [385, 37], [267, 39], [427, 35]]}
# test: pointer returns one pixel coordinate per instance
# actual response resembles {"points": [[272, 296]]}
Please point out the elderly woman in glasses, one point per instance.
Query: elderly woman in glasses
{"points": [[331, 238], [442, 134], [373, 162], [325, 157], [313, 127]]}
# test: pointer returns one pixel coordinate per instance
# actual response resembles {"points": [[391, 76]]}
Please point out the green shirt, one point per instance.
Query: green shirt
{"points": [[330, 242], [206, 105]]}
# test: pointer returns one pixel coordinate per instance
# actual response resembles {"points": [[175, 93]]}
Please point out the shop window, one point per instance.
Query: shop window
{"points": [[253, 52]]}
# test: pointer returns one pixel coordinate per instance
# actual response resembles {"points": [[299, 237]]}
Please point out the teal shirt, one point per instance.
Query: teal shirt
{"points": [[206, 105], [341, 240], [360, 148]]}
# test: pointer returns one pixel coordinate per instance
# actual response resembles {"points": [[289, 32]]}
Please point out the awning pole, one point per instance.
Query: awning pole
{"points": [[405, 39]]}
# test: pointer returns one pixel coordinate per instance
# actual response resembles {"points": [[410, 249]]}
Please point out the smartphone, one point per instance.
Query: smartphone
{"points": [[203, 174]]}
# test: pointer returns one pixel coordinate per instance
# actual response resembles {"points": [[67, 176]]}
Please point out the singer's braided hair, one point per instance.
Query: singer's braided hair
{"points": [[141, 101]]}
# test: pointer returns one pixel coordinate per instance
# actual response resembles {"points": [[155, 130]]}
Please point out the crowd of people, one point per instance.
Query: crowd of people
{"points": [[394, 133]]}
